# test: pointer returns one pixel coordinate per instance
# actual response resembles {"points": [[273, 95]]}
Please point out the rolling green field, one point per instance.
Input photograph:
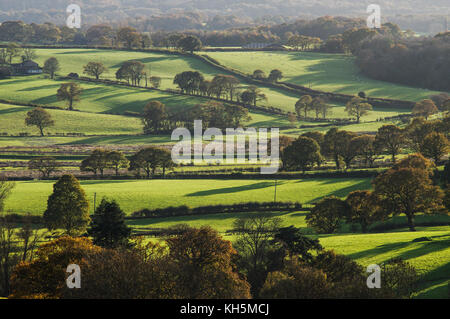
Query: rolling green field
{"points": [[31, 196], [96, 98], [165, 66], [12, 121], [325, 72]]}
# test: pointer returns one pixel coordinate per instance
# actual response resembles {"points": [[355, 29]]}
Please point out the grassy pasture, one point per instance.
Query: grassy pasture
{"points": [[342, 71], [163, 65], [326, 72], [90, 140], [96, 98], [31, 196], [12, 121]]}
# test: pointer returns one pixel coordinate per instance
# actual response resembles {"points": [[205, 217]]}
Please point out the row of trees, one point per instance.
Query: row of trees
{"points": [[148, 159], [427, 137], [150, 31], [274, 76], [157, 119], [406, 188], [221, 86]]}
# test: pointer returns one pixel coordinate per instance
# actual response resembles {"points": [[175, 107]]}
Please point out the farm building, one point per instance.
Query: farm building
{"points": [[26, 68]]}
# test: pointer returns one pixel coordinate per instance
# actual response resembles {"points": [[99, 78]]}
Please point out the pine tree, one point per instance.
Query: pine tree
{"points": [[108, 227]]}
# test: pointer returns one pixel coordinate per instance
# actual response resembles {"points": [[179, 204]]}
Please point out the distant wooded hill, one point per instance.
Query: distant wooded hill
{"points": [[171, 15]]}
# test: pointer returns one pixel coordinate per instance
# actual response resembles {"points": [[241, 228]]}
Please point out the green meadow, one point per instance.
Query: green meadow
{"points": [[96, 98], [31, 196], [320, 71], [12, 121], [165, 66]]}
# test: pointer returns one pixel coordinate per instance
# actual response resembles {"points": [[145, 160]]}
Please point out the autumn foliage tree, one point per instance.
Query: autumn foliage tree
{"points": [[153, 115], [51, 66], [435, 145], [205, 267], [357, 107], [296, 282], [95, 69], [70, 92], [301, 154], [327, 215], [40, 118], [48, 269], [425, 108], [364, 209], [408, 189], [390, 138]]}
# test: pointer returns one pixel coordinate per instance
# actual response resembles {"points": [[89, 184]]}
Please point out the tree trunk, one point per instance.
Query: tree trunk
{"points": [[411, 223], [364, 227], [336, 160]]}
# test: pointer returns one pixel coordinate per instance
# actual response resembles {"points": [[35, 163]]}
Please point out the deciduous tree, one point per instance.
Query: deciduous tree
{"points": [[390, 138], [46, 165], [425, 108], [67, 207], [70, 92], [95, 69], [40, 118], [51, 66], [357, 107], [327, 215], [408, 190]]}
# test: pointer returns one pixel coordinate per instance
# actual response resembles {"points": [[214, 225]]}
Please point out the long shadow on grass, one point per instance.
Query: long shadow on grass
{"points": [[41, 87], [194, 218], [237, 189], [343, 192], [150, 60], [12, 110], [420, 249]]}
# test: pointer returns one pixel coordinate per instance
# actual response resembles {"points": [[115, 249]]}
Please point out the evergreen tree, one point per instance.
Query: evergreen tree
{"points": [[108, 227]]}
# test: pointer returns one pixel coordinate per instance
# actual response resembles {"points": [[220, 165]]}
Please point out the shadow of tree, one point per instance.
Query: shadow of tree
{"points": [[228, 190]]}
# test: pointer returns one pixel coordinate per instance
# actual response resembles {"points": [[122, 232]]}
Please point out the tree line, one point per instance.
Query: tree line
{"points": [[406, 188], [344, 147], [415, 62]]}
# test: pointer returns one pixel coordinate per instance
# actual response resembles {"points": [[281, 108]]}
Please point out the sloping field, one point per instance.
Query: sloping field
{"points": [[96, 98], [12, 121], [163, 65], [320, 71]]}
